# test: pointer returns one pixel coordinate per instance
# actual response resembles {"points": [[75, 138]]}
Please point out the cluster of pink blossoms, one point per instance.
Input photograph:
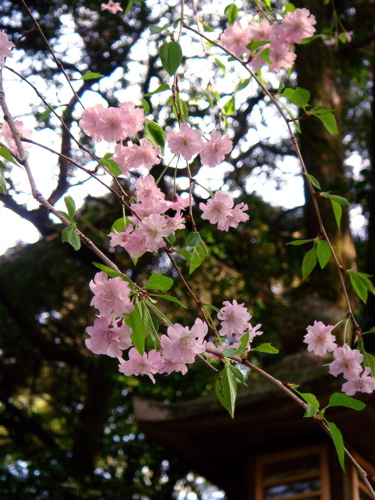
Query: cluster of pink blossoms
{"points": [[219, 210], [5, 46], [294, 28], [6, 133], [188, 142], [149, 224], [112, 7], [347, 361]]}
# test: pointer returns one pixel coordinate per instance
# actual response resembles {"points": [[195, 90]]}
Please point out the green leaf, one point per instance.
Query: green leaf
{"points": [[308, 263], [198, 255], [118, 225], [159, 282], [193, 239], [299, 97], [150, 327], [221, 66], [338, 442], [230, 106], [111, 166], [41, 117], [91, 76], [309, 398], [171, 238], [230, 352], [313, 181], [323, 252], [243, 83], [71, 206], [309, 39], [5, 153], [243, 343], [289, 7], [340, 399], [128, 7], [337, 210], [70, 236], [299, 242], [172, 299], [155, 134], [311, 410], [226, 390], [184, 254], [161, 88], [266, 348], [206, 27], [338, 199], [369, 359], [182, 111], [171, 56], [265, 55], [114, 274], [238, 374], [256, 44], [145, 106], [155, 30], [360, 285], [135, 321], [3, 185], [328, 119], [231, 12]]}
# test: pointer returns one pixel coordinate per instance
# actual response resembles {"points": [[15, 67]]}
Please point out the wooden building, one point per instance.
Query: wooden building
{"points": [[269, 451]]}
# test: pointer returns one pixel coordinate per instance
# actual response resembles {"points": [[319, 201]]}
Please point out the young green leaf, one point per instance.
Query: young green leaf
{"points": [[171, 56], [308, 263], [230, 106], [70, 236], [299, 242], [172, 299], [226, 390], [289, 7], [231, 12], [238, 374], [206, 27], [337, 210], [338, 442], [159, 282], [266, 348], [299, 97], [197, 257], [243, 83], [222, 67], [135, 321], [71, 206], [111, 166], [361, 284], [265, 55], [114, 274], [323, 252], [145, 106], [5, 153], [193, 239], [91, 76], [118, 225], [311, 410], [155, 30], [340, 399], [313, 181], [338, 199], [3, 185], [161, 88], [328, 119], [155, 134], [308, 398]]}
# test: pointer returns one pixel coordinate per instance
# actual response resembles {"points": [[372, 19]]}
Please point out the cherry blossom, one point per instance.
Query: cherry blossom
{"points": [[107, 339], [147, 189], [111, 126], [111, 295], [182, 344], [112, 7], [8, 135], [217, 208], [259, 31], [235, 39], [234, 319], [187, 142], [146, 364], [90, 120], [133, 118], [213, 152], [144, 155], [154, 230], [5, 46], [348, 361], [298, 25], [319, 339], [234, 217], [364, 383]]}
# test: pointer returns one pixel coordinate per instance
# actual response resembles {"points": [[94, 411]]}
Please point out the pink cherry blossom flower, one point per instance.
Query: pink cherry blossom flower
{"points": [[319, 339], [133, 118], [90, 120], [234, 319], [154, 230], [281, 57], [348, 361], [148, 207], [112, 7], [120, 158], [111, 295], [107, 339], [146, 364], [235, 39], [5, 46], [298, 25], [8, 135], [135, 244], [182, 344], [168, 367], [120, 238], [217, 208], [234, 217], [364, 383], [259, 31], [144, 155], [147, 189], [187, 142], [111, 126], [213, 152]]}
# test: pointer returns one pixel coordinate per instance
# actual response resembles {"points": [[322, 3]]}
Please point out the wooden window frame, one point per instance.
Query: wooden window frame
{"points": [[323, 493]]}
